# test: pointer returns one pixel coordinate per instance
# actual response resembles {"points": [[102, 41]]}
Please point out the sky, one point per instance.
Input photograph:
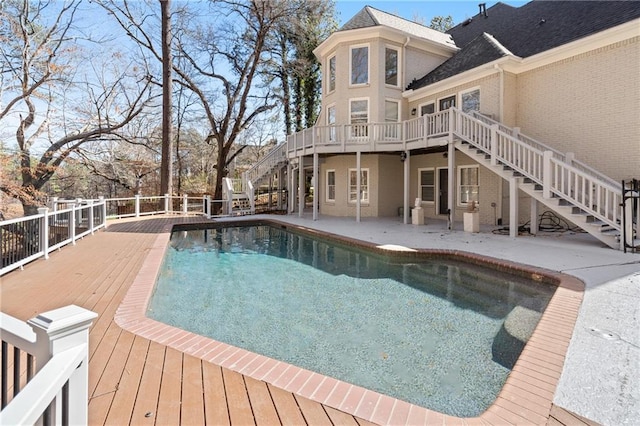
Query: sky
{"points": [[427, 9]]}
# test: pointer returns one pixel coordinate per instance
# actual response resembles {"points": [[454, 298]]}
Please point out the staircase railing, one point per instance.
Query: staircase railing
{"points": [[594, 193], [543, 147], [264, 166]]}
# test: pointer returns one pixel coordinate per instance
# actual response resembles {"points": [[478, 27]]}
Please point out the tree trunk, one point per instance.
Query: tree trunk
{"points": [[166, 167]]}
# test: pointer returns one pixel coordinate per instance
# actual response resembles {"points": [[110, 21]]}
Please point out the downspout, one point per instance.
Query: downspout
{"points": [[404, 60], [501, 120]]}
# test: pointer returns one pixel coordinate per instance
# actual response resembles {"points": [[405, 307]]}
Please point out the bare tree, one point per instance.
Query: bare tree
{"points": [[166, 169], [54, 106]]}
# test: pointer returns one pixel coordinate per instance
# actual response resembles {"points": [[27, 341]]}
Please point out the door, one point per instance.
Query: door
{"points": [[443, 191]]}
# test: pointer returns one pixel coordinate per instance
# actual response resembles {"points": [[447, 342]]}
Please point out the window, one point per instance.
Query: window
{"points": [[331, 121], [470, 101], [391, 115], [427, 109], [391, 67], [468, 187], [332, 73], [446, 103], [331, 185], [359, 116], [427, 185], [359, 65], [364, 185]]}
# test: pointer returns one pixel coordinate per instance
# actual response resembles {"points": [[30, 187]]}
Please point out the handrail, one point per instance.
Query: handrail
{"points": [[58, 342], [27, 407], [274, 157], [592, 194], [543, 147]]}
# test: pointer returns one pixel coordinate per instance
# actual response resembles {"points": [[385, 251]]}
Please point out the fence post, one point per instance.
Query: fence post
{"points": [[54, 203], [104, 210], [91, 224], [137, 205], [167, 199], [207, 206], [185, 206], [44, 231], [494, 144], [59, 330], [72, 223], [547, 174]]}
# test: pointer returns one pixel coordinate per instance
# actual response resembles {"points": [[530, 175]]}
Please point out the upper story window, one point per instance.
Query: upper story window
{"points": [[427, 109], [331, 121], [332, 74], [470, 100], [359, 117], [391, 67], [446, 103], [359, 65]]}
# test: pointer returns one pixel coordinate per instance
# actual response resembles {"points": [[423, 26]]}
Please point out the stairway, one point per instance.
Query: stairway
{"points": [[570, 189]]}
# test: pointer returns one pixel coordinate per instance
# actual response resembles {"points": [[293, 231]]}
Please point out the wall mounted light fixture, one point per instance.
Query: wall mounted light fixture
{"points": [[403, 156], [414, 111]]}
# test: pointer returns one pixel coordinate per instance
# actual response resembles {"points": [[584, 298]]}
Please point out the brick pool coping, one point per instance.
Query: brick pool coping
{"points": [[526, 396]]}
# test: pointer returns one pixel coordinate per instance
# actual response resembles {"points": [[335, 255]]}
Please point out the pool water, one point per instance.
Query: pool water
{"points": [[442, 335]]}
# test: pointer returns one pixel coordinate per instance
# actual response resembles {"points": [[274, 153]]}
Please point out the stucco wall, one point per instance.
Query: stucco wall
{"points": [[588, 104]]}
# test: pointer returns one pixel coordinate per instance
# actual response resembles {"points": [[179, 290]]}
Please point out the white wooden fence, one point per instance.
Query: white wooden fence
{"points": [[52, 388]]}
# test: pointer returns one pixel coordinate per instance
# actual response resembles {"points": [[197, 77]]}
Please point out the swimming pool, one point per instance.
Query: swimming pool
{"points": [[446, 344]]}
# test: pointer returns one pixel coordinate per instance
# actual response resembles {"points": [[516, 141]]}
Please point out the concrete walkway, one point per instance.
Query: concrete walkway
{"points": [[601, 375]]}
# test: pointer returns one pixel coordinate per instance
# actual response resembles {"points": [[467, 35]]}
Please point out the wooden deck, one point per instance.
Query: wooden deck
{"points": [[133, 380]]}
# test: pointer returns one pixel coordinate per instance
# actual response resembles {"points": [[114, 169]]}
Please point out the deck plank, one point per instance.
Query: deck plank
{"points": [[287, 406], [312, 412], [215, 404], [192, 410], [170, 389], [146, 404], [240, 411], [261, 404], [129, 385]]}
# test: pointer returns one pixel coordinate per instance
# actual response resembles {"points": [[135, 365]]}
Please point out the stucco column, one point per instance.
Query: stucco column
{"points": [[451, 164], [358, 185], [315, 186], [301, 185], [407, 187]]}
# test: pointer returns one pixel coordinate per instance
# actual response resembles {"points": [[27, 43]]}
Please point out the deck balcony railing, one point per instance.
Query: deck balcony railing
{"points": [[25, 239], [44, 377]]}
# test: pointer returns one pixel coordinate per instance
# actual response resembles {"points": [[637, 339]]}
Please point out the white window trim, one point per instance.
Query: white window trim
{"points": [[329, 90], [397, 102], [351, 100], [398, 66], [367, 192], [455, 95], [435, 184], [356, 46], [462, 92], [331, 105], [459, 202], [327, 199], [425, 104]]}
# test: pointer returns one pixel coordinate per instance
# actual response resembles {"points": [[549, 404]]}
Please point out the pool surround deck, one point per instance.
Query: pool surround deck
{"points": [[527, 396]]}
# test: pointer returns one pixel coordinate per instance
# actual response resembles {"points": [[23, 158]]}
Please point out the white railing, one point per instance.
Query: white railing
{"points": [[25, 239], [52, 388], [596, 195], [568, 157], [266, 165]]}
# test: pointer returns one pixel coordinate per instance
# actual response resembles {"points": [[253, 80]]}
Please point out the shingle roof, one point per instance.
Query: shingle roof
{"points": [[372, 17], [480, 50], [542, 25], [528, 30]]}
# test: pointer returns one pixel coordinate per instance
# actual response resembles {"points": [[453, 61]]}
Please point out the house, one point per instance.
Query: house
{"points": [[517, 110]]}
